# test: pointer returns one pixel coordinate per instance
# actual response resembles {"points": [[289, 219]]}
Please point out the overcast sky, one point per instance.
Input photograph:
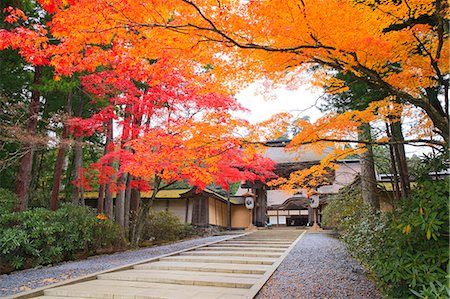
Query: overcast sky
{"points": [[300, 102]]}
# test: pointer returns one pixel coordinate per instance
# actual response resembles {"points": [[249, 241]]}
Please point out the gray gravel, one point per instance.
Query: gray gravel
{"points": [[319, 266], [25, 280]]}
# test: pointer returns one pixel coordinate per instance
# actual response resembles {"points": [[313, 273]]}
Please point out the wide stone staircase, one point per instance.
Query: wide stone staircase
{"points": [[235, 268]]}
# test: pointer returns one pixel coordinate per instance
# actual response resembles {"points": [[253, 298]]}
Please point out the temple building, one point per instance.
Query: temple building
{"points": [[203, 208], [282, 208], [272, 206], [199, 208]]}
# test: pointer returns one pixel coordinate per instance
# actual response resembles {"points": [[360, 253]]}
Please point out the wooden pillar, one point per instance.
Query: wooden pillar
{"points": [[260, 216], [205, 211], [315, 225], [186, 215], [228, 209], [310, 215]]}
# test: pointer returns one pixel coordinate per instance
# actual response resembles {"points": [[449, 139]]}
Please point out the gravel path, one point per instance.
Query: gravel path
{"points": [[319, 266], [25, 280]]}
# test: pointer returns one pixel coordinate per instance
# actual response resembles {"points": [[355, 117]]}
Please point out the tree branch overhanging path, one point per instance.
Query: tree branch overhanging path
{"points": [[312, 50], [130, 54], [396, 47]]}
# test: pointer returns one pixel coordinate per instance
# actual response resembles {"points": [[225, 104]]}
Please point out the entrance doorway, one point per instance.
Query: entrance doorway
{"points": [[300, 220]]}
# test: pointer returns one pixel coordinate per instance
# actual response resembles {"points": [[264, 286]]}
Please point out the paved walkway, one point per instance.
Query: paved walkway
{"points": [[236, 268], [319, 266]]}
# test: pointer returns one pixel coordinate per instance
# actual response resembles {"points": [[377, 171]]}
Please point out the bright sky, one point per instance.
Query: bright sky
{"points": [[300, 102]]}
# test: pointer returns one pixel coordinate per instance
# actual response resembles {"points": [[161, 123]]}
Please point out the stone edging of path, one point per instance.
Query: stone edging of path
{"points": [[262, 281], [92, 276]]}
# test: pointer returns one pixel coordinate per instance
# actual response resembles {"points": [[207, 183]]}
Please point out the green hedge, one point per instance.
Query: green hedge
{"points": [[40, 236], [8, 201], [406, 250], [163, 227]]}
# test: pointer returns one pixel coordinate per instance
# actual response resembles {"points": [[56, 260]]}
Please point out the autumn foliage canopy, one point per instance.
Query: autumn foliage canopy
{"points": [[188, 56]]}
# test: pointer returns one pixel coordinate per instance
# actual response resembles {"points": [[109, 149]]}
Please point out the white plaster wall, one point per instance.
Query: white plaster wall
{"points": [[189, 219], [273, 220], [178, 208]]}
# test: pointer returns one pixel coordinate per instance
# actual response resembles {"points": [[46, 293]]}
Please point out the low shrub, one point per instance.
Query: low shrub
{"points": [[359, 227], [8, 201], [406, 250], [40, 236], [164, 226], [415, 253]]}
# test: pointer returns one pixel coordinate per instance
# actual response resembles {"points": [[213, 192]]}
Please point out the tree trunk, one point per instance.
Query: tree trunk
{"points": [[101, 199], [134, 210], [134, 196], [368, 179], [144, 210], [60, 159], [120, 200], [108, 195], [78, 161], [126, 221], [123, 179], [400, 155], [37, 171], [394, 179], [109, 205], [82, 202], [23, 177]]}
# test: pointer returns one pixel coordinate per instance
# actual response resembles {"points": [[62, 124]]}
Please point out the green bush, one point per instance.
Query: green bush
{"points": [[359, 227], [164, 226], [415, 252], [40, 236], [406, 250], [8, 201]]}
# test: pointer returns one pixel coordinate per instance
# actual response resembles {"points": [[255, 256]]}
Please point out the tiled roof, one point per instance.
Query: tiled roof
{"points": [[171, 194], [283, 155], [165, 194]]}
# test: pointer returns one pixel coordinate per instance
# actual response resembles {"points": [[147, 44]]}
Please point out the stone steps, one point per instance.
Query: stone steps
{"points": [[236, 244], [232, 253], [237, 248], [259, 242], [222, 259], [232, 269], [265, 240], [140, 290], [206, 267], [229, 280]]}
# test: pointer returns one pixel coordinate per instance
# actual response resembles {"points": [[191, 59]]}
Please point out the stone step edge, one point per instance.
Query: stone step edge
{"points": [[199, 269], [232, 253], [185, 258], [186, 281], [252, 249]]}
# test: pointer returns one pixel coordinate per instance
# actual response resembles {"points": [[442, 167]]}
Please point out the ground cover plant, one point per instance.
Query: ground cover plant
{"points": [[405, 250], [40, 237], [164, 226]]}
